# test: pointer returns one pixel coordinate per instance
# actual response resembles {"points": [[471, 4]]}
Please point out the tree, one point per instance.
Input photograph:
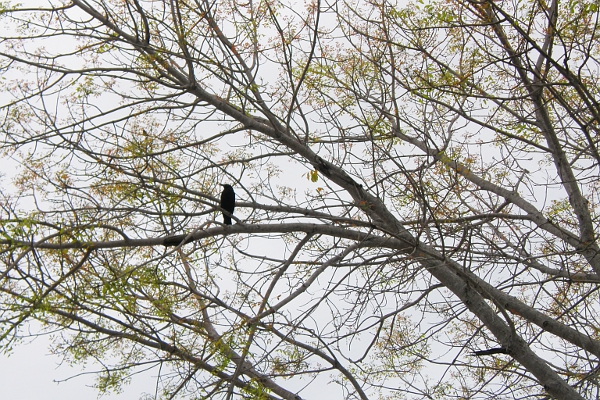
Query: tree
{"points": [[417, 194]]}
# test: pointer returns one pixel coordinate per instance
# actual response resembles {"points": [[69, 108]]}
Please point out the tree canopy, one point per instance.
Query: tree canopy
{"points": [[417, 195]]}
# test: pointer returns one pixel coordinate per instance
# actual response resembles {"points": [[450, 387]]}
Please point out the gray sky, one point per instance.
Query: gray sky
{"points": [[31, 373]]}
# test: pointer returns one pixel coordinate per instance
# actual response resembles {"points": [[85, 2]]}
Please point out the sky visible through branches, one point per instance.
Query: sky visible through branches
{"points": [[416, 196]]}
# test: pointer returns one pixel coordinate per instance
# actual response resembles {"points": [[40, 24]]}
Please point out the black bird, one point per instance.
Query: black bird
{"points": [[227, 202]]}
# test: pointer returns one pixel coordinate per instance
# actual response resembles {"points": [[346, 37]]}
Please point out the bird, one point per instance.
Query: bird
{"points": [[227, 202]]}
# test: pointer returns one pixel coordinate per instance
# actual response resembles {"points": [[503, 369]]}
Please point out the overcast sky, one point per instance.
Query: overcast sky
{"points": [[31, 373]]}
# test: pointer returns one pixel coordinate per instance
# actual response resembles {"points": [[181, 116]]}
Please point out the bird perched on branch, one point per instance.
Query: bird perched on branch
{"points": [[227, 203]]}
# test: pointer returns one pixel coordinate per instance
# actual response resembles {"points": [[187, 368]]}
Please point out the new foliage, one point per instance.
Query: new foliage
{"points": [[421, 195]]}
